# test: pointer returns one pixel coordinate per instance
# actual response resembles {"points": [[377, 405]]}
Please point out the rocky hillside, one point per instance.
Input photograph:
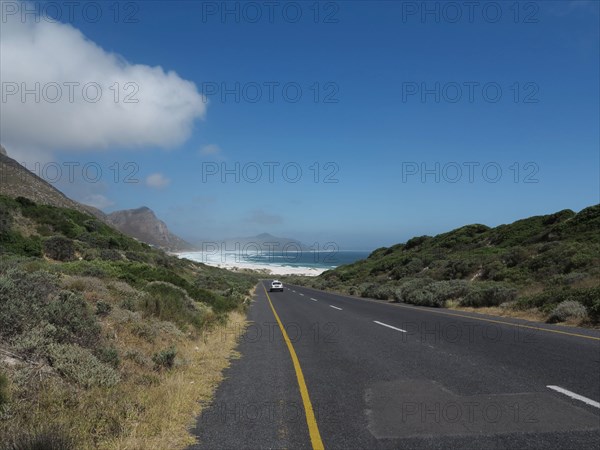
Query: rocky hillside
{"points": [[142, 224], [17, 181]]}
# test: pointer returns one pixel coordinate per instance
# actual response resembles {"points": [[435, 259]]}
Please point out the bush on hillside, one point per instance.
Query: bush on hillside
{"points": [[567, 310], [59, 248], [79, 365], [33, 303], [168, 302], [488, 294], [3, 389], [547, 300], [165, 359]]}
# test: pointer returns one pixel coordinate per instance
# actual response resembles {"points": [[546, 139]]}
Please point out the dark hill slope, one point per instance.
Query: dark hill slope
{"points": [[536, 262]]}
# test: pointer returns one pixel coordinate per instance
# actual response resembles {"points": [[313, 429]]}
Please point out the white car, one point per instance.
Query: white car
{"points": [[276, 285]]}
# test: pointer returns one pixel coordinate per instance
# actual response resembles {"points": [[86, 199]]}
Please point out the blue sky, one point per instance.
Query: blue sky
{"points": [[376, 133]]}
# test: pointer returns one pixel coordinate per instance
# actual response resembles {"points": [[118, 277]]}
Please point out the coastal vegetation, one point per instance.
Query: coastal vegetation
{"points": [[545, 267], [105, 342]]}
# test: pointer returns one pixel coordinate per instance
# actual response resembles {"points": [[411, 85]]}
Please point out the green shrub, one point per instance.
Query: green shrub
{"points": [[547, 300], [515, 256], [103, 309], [403, 292], [23, 299], [488, 294], [367, 290], [59, 248], [448, 289], [144, 330], [422, 297], [461, 268], [165, 359], [12, 242], [3, 389], [94, 268], [73, 318], [109, 254], [384, 293], [32, 305], [137, 256], [79, 365], [138, 357], [129, 303], [416, 242], [567, 309], [108, 355], [34, 342], [171, 303]]}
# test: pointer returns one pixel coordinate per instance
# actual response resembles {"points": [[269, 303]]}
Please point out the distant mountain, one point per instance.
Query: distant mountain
{"points": [[267, 242], [17, 181], [143, 224]]}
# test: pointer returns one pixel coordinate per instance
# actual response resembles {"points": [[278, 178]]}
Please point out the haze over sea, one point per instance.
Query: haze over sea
{"points": [[277, 263]]}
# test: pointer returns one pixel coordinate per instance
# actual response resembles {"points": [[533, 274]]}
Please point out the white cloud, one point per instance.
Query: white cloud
{"points": [[53, 54], [210, 150], [97, 201], [157, 180]]}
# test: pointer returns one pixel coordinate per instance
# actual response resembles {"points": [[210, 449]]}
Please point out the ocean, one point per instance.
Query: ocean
{"points": [[290, 263]]}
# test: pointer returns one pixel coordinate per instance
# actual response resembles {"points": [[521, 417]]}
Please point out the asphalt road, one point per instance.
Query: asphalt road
{"points": [[358, 373]]}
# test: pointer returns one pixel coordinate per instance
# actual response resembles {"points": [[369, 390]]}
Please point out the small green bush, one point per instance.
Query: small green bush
{"points": [[79, 365], [129, 303], [12, 242], [171, 303], [3, 389], [404, 291], [73, 318], [547, 300], [59, 248], [109, 254], [103, 309], [23, 299], [566, 310], [34, 342], [165, 359], [144, 330], [138, 357], [488, 294], [109, 355]]}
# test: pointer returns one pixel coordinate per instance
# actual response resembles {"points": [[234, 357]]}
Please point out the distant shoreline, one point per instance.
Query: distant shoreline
{"points": [[235, 264]]}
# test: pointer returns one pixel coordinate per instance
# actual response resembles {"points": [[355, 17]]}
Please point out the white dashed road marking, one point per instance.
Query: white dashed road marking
{"points": [[575, 396], [389, 326]]}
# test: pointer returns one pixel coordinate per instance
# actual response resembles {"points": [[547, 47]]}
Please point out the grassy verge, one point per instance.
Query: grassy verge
{"points": [[99, 369], [105, 342]]}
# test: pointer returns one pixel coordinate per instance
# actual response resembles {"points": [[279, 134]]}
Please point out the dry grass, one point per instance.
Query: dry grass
{"points": [[149, 408], [171, 408], [532, 315]]}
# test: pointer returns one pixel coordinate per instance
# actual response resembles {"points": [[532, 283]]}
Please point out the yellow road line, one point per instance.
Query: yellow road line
{"points": [[313, 428]]}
